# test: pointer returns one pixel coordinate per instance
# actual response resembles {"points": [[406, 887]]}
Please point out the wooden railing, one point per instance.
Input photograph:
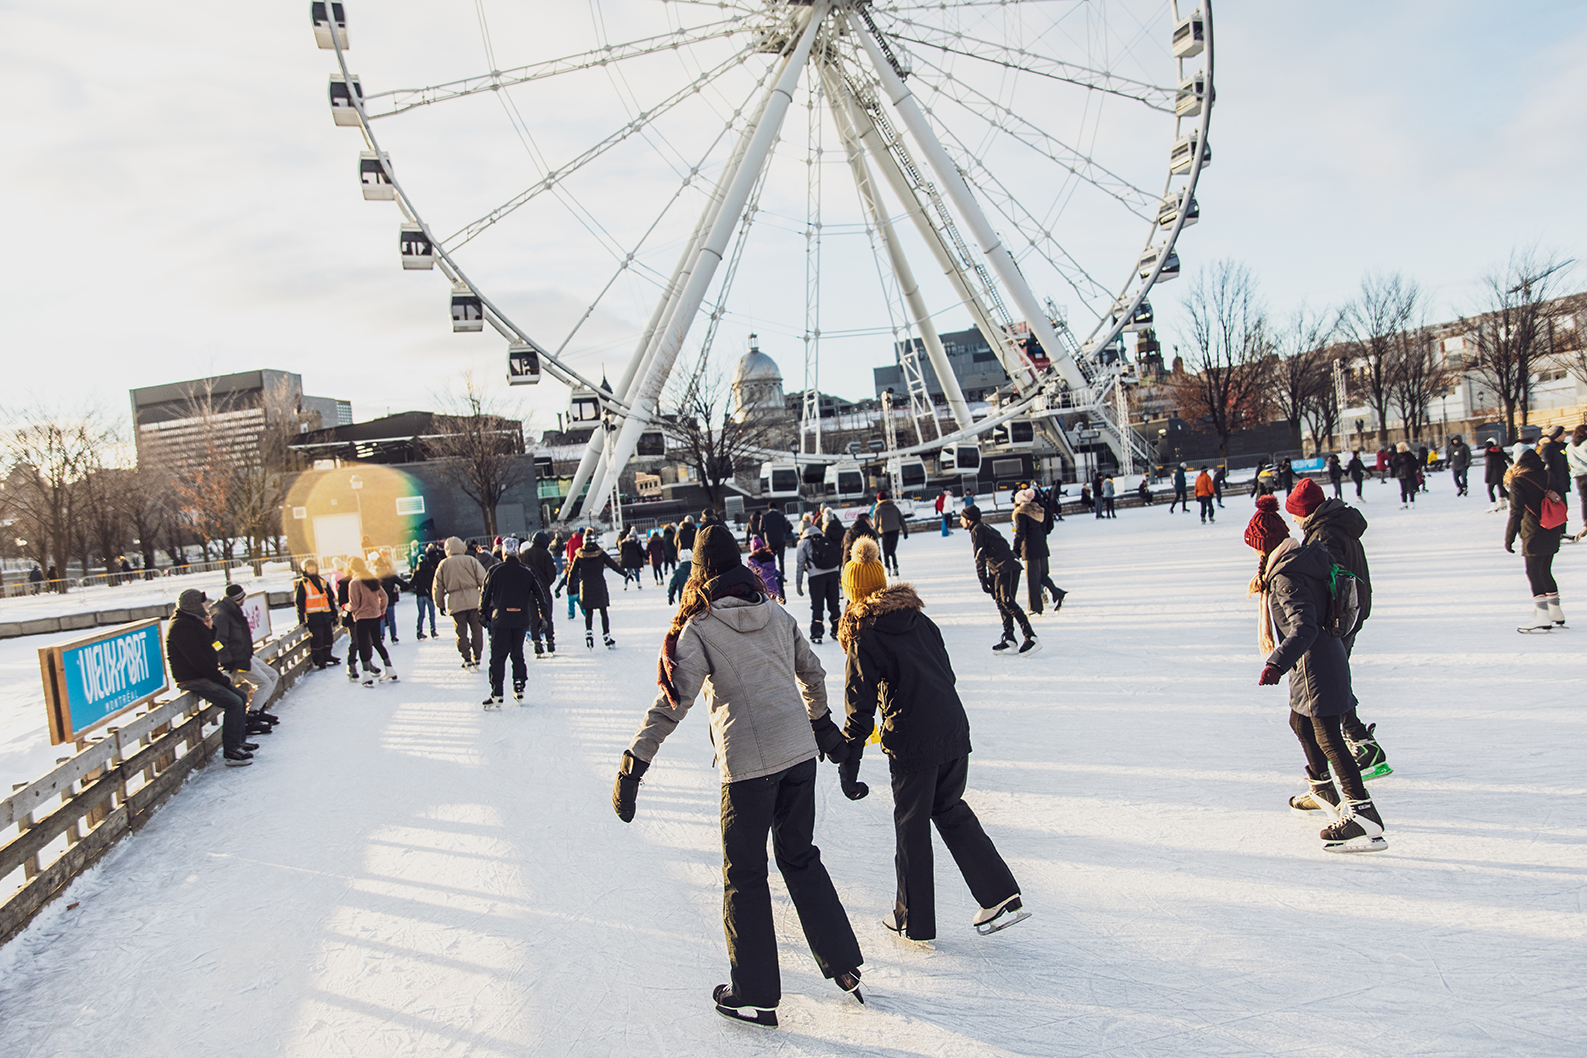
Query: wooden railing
{"points": [[110, 788]]}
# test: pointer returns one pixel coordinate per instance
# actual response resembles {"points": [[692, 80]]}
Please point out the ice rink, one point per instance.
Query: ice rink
{"points": [[402, 874]]}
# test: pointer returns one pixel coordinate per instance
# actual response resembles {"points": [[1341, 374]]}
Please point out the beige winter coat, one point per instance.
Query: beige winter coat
{"points": [[762, 682], [366, 600], [458, 579]]}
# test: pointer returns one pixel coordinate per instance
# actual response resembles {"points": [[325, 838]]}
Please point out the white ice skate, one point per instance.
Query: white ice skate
{"points": [[1539, 621], [1555, 614], [391, 674], [990, 920]]}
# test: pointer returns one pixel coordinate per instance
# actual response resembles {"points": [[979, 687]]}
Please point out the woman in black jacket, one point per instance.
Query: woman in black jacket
{"points": [[861, 527], [1495, 464], [1405, 469], [632, 552], [1529, 486], [1032, 523], [586, 577], [897, 664], [1291, 583]]}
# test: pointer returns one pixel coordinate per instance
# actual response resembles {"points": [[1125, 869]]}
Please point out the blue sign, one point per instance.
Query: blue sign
{"points": [[1302, 466], [98, 677]]}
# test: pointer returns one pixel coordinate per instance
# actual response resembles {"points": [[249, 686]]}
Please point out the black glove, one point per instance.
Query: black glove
{"points": [[849, 778], [829, 740], [1510, 546], [986, 587], [625, 791]]}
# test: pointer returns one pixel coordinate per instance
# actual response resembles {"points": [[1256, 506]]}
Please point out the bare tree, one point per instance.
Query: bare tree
{"points": [[1372, 323], [1226, 379], [1419, 375], [704, 433], [1301, 380], [1513, 332], [49, 454], [145, 497], [482, 446]]}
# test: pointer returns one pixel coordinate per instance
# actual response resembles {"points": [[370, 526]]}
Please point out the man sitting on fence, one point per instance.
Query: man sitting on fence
{"points": [[190, 648], [236, 657]]}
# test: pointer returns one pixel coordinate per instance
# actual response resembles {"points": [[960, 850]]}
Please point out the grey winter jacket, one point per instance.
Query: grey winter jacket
{"points": [[763, 686], [458, 579], [804, 562], [888, 518], [1319, 670]]}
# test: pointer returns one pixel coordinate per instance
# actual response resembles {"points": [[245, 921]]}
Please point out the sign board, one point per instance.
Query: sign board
{"points": [[407, 505], [1088, 435], [1302, 466], [91, 680], [256, 608]]}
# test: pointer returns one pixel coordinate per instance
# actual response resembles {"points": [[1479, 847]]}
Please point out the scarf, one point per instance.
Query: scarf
{"points": [[1033, 511], [1265, 637], [740, 582]]}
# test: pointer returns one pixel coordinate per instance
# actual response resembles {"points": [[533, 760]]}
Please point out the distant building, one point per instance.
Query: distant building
{"points": [[757, 385], [975, 365], [179, 424], [396, 438]]}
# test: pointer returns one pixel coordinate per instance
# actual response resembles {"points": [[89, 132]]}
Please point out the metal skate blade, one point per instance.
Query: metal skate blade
{"points": [[1361, 844], [999, 924]]}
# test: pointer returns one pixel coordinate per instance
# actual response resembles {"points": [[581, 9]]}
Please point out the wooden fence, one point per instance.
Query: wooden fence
{"points": [[110, 788]]}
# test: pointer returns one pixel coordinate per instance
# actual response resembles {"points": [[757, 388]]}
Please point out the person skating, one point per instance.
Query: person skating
{"points": [[456, 591], [669, 541], [1181, 490], [1530, 489], [632, 554], [686, 531], [587, 576], [896, 662], [822, 557], [1032, 525], [680, 577], [764, 563], [1495, 464], [195, 667], [1338, 527], [234, 652], [394, 585], [656, 551], [1291, 584], [766, 693], [890, 523], [998, 571], [861, 528], [366, 604], [316, 610], [1406, 471], [512, 601], [1576, 460], [944, 508], [540, 559], [1204, 492], [1220, 477], [776, 531], [422, 582], [1459, 464]]}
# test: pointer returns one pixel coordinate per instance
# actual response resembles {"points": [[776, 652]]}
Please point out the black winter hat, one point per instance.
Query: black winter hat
{"points": [[715, 551], [972, 513], [235, 591]]}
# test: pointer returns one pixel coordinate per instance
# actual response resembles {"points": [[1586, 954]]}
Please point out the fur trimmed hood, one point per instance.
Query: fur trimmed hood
{"points": [[895, 598]]}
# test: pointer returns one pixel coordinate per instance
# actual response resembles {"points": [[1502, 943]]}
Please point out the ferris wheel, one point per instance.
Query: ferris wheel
{"points": [[831, 171]]}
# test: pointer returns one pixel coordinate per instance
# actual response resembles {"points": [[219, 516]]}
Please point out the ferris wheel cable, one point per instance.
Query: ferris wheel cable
{"points": [[1156, 97], [405, 99], [466, 234], [1144, 204]]}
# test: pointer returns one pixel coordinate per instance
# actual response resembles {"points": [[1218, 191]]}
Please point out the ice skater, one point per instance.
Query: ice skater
{"points": [[512, 601], [766, 691], [1537, 516], [998, 571], [897, 663], [1032, 525], [1292, 587], [586, 576], [366, 604]]}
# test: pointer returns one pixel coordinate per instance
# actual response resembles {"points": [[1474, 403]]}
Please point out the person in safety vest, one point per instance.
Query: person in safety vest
{"points": [[313, 598]]}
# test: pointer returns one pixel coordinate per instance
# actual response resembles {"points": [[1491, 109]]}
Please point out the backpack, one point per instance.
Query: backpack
{"points": [[825, 552], [1343, 611]]}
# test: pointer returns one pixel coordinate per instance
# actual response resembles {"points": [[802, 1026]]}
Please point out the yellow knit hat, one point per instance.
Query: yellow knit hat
{"points": [[863, 573]]}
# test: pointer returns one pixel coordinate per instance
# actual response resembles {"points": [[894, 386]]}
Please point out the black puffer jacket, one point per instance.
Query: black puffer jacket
{"points": [[632, 552], [861, 527], [1495, 465], [1338, 527], [1553, 455], [1319, 671], [190, 650], [540, 559], [1527, 487], [513, 596], [423, 578], [1030, 533], [1404, 466], [233, 635], [897, 663], [993, 557], [586, 574]]}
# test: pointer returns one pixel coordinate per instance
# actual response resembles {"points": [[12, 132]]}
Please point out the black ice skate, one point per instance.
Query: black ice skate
{"points": [[990, 920], [610, 642], [492, 701], [1370, 758], [589, 640], [1359, 830], [730, 1006], [849, 981], [1005, 644], [539, 650], [517, 691], [236, 758], [1030, 646]]}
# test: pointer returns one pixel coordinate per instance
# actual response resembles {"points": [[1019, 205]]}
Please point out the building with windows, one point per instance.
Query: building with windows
{"points": [[974, 364], [181, 424]]}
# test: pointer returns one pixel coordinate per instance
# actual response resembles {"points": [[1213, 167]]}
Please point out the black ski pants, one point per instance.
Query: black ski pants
{"points": [[1540, 574], [368, 635], [1324, 744], [1407, 490], [1037, 578], [1503, 495], [1181, 498], [784, 805], [470, 634], [1005, 586], [589, 619], [1208, 514], [824, 590], [506, 641], [935, 795], [890, 551], [322, 636]]}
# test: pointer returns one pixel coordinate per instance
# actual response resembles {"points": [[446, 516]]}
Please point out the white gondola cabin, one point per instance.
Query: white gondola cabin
{"points": [[372, 177], [845, 482], [779, 481], [911, 476], [1149, 262], [1016, 433], [523, 364], [1183, 156], [584, 407], [468, 312], [960, 459], [417, 252], [1190, 36], [343, 112], [1140, 319], [1189, 97], [1168, 211], [322, 25]]}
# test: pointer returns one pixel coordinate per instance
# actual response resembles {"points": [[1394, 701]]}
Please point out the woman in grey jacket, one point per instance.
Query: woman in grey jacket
{"points": [[766, 693]]}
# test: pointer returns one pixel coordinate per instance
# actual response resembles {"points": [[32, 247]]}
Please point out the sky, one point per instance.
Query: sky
{"points": [[179, 203]]}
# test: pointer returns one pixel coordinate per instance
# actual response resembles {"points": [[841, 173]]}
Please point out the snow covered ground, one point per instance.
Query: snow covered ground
{"points": [[277, 577], [402, 874]]}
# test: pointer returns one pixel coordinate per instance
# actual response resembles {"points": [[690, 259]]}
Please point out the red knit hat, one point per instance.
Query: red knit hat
{"points": [[1304, 498], [1266, 529]]}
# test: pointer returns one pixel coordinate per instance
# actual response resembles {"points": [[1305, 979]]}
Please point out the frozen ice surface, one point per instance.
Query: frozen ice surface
{"points": [[401, 873]]}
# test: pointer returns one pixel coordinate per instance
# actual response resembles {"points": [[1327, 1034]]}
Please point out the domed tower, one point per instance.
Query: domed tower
{"points": [[757, 386]]}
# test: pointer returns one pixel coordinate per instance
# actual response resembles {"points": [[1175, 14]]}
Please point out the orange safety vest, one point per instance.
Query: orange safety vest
{"points": [[315, 600]]}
